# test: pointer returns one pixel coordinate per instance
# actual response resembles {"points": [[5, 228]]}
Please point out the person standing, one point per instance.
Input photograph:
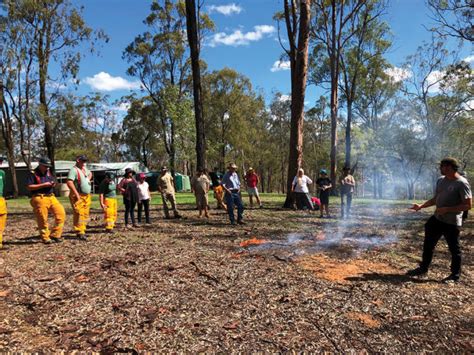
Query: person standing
{"points": [[252, 180], [144, 198], [129, 190], [324, 186], [200, 185], [3, 204], [347, 190], [79, 183], [300, 189], [231, 186], [166, 188], [216, 178], [108, 201], [41, 183], [453, 196]]}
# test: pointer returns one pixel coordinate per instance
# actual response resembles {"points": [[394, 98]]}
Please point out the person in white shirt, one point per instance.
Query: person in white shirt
{"points": [[144, 198], [300, 190]]}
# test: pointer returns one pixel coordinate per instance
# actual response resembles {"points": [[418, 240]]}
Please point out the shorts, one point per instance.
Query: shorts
{"points": [[324, 197], [252, 191]]}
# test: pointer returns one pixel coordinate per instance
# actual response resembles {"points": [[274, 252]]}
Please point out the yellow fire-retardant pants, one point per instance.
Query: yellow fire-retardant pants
{"points": [[110, 213], [42, 205], [3, 218], [81, 209]]}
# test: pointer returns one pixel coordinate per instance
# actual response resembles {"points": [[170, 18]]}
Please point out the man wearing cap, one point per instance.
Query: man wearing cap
{"points": [[347, 189], [251, 180], [166, 188], [41, 183], [231, 185], [323, 184], [3, 204], [79, 183], [108, 201], [452, 197]]}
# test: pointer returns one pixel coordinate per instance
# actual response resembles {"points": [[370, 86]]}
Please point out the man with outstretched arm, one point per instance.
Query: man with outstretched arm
{"points": [[453, 196]]}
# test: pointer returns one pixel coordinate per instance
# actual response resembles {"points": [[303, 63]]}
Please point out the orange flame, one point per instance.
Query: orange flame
{"points": [[253, 241]]}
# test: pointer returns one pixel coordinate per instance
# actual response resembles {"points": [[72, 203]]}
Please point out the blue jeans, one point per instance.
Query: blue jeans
{"points": [[231, 200]]}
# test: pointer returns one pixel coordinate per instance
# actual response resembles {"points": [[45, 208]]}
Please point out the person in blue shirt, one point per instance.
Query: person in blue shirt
{"points": [[231, 184]]}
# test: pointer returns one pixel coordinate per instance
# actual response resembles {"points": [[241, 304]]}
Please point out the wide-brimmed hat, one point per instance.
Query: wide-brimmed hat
{"points": [[250, 169], [82, 157], [232, 165], [323, 171], [45, 162]]}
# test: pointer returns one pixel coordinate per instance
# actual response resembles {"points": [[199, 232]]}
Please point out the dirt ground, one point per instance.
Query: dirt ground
{"points": [[285, 281]]}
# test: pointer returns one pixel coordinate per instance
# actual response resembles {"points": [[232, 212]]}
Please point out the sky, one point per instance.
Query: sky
{"points": [[245, 39]]}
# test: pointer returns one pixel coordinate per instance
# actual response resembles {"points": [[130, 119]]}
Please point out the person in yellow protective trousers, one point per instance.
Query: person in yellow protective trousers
{"points": [[79, 183], [41, 183], [108, 201], [3, 205]]}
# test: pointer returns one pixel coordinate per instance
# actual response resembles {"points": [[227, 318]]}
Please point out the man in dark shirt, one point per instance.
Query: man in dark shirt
{"points": [[41, 183], [453, 196]]}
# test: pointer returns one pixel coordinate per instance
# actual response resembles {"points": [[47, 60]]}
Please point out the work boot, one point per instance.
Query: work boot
{"points": [[47, 241], [451, 278], [57, 240], [109, 231], [417, 272], [240, 222], [83, 237]]}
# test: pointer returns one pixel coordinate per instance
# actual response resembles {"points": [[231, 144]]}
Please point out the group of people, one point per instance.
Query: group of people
{"points": [[453, 198], [303, 199]]}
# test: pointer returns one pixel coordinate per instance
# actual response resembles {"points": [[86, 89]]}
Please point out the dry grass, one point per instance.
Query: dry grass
{"points": [[196, 286]]}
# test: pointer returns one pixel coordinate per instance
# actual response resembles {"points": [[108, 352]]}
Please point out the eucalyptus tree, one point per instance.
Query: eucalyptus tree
{"points": [[453, 18], [160, 59], [297, 17], [332, 28], [54, 30]]}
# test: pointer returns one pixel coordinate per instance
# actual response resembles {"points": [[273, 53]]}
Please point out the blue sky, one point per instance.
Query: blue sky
{"points": [[245, 40]]}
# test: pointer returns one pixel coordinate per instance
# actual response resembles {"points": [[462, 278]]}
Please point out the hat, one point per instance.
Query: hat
{"points": [[250, 169], [109, 175], [129, 170], [232, 165], [45, 162], [81, 157], [323, 171], [142, 176]]}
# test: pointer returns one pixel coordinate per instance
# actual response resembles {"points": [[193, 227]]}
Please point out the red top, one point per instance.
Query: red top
{"points": [[251, 180]]}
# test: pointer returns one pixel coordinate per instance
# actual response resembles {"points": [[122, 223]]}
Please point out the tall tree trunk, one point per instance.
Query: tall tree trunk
{"points": [[191, 25], [43, 61], [299, 68], [7, 133], [348, 133], [334, 68]]}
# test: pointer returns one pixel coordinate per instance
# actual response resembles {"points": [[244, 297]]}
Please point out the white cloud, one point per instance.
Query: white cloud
{"points": [[105, 82], [469, 59], [284, 98], [122, 107], [398, 74], [280, 65], [433, 80], [226, 10], [238, 38]]}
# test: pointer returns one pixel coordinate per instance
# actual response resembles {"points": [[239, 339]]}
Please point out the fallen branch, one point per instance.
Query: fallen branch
{"points": [[202, 273]]}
